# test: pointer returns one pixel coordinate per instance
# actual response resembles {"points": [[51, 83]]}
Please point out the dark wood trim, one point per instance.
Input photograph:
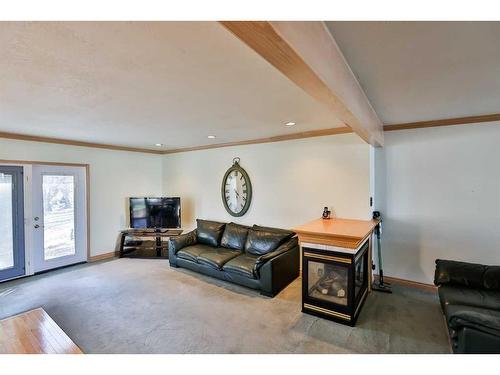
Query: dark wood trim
{"points": [[60, 141], [95, 258], [8, 161], [443, 122], [409, 283]]}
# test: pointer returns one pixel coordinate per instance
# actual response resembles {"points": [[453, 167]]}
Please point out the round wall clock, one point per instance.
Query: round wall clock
{"points": [[236, 190]]}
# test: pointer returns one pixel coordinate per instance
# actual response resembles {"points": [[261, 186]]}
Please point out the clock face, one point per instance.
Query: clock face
{"points": [[236, 191]]}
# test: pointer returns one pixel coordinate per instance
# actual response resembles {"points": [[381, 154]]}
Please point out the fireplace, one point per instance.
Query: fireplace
{"points": [[334, 281]]}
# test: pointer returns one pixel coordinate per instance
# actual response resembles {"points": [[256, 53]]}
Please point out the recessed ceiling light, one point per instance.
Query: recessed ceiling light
{"points": [[291, 123], [158, 144], [211, 137]]}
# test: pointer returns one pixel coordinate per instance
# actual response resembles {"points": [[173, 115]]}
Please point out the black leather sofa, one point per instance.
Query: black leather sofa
{"points": [[470, 298], [262, 258]]}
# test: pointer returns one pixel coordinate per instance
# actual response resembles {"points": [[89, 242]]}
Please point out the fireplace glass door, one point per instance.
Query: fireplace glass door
{"points": [[360, 275], [327, 282]]}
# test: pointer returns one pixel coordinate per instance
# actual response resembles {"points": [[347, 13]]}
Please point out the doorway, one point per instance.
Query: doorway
{"points": [[12, 250], [59, 216]]}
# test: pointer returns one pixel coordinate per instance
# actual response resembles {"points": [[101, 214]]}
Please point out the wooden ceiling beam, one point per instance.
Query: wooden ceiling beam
{"points": [[307, 54]]}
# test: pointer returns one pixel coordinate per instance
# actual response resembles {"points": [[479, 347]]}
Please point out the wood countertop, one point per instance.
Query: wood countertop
{"points": [[337, 232]]}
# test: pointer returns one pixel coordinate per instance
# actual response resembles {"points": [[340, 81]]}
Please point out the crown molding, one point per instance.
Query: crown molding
{"points": [[60, 141], [286, 137], [278, 138], [443, 122]]}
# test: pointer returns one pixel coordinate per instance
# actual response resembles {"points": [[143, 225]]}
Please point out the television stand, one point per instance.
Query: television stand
{"points": [[146, 243]]}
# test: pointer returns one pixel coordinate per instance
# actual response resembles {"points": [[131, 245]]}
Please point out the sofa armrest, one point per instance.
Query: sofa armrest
{"points": [[178, 242], [287, 246], [459, 273], [472, 341], [478, 318], [280, 270]]}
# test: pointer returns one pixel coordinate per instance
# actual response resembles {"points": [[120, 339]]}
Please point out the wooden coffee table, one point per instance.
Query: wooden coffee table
{"points": [[34, 332]]}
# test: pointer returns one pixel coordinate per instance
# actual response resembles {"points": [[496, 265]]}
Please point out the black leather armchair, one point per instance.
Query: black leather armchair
{"points": [[470, 298], [266, 259]]}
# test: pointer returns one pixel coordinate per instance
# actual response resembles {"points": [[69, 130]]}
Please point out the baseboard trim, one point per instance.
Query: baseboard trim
{"points": [[409, 283], [95, 258]]}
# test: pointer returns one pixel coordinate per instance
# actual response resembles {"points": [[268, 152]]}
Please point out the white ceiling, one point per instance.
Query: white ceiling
{"points": [[416, 71], [140, 83]]}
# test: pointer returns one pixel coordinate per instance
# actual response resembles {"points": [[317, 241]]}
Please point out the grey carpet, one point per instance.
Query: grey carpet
{"points": [[144, 306]]}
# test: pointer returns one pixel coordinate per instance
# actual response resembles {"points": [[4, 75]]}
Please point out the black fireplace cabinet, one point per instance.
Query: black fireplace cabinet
{"points": [[335, 283]]}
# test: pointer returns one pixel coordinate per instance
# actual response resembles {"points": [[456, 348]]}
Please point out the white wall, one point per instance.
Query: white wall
{"points": [[439, 193], [292, 181], [438, 189], [114, 176]]}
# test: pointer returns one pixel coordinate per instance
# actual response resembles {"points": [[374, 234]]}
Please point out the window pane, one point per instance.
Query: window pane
{"points": [[58, 216], [6, 222]]}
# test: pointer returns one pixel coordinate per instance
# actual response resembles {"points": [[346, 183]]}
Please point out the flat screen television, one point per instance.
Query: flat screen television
{"points": [[158, 213]]}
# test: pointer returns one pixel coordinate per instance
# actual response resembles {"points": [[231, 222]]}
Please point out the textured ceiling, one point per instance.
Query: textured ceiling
{"points": [[140, 83], [416, 71]]}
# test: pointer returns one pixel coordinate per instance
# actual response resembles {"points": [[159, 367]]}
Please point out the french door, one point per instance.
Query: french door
{"points": [[59, 216], [12, 256]]}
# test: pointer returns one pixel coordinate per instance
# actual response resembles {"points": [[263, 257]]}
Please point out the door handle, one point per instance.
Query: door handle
{"points": [[37, 226]]}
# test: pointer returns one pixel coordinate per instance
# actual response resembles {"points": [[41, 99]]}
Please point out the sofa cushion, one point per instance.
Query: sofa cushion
{"points": [[260, 242], [243, 264], [459, 273], [486, 320], [192, 252], [286, 232], [209, 232], [491, 278], [234, 236], [217, 257], [456, 295]]}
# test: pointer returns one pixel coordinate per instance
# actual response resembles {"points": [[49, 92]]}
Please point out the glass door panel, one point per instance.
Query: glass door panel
{"points": [[59, 205], [360, 275], [58, 216], [11, 222], [6, 222]]}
